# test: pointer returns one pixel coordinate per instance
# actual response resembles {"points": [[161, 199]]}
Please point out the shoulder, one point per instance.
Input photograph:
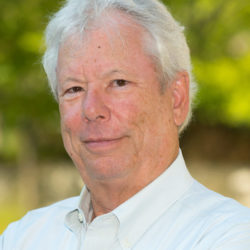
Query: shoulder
{"points": [[56, 210], [214, 207], [226, 223], [216, 204], [60, 206], [39, 220]]}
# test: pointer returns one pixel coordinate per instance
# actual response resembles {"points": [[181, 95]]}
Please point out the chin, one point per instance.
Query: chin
{"points": [[106, 169]]}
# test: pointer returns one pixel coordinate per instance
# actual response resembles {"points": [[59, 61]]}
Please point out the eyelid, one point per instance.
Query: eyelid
{"points": [[114, 82], [73, 90]]}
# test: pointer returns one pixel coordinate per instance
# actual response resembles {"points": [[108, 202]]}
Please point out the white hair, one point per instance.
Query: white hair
{"points": [[169, 48]]}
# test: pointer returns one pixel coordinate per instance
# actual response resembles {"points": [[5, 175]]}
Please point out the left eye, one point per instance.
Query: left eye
{"points": [[120, 83]]}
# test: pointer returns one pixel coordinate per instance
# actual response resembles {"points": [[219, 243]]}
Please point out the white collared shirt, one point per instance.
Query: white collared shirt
{"points": [[174, 212]]}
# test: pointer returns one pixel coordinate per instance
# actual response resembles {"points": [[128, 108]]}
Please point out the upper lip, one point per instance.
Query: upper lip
{"points": [[100, 139]]}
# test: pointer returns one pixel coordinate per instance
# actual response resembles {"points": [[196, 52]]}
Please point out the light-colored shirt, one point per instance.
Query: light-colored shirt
{"points": [[174, 212]]}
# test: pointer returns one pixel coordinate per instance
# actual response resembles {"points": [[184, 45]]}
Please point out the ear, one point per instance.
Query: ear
{"points": [[180, 97]]}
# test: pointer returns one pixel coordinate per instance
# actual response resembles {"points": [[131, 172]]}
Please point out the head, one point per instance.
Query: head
{"points": [[167, 44], [120, 72]]}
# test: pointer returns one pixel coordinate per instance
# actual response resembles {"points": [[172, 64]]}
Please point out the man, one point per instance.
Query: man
{"points": [[120, 70]]}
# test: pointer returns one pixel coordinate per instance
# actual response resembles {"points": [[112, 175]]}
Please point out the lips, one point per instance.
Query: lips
{"points": [[102, 144]]}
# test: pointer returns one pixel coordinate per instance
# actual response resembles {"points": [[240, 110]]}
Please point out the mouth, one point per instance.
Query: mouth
{"points": [[102, 144]]}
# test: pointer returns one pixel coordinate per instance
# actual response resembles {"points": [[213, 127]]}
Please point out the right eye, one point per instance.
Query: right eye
{"points": [[74, 90]]}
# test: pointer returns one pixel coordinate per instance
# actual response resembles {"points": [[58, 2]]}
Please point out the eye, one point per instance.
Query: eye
{"points": [[74, 90], [120, 83]]}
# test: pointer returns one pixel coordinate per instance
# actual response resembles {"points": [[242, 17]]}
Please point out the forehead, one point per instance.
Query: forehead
{"points": [[113, 31], [113, 42]]}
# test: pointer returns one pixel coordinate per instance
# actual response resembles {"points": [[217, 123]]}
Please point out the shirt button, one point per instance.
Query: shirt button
{"points": [[80, 217]]}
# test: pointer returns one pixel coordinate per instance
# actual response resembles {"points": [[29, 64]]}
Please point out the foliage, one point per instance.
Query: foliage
{"points": [[219, 38], [25, 101]]}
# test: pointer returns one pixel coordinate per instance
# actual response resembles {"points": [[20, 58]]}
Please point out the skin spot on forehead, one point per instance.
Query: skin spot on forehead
{"points": [[99, 47]]}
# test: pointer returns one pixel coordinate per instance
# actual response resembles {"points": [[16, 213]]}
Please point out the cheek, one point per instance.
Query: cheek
{"points": [[126, 111], [70, 127], [154, 116], [134, 114], [70, 118]]}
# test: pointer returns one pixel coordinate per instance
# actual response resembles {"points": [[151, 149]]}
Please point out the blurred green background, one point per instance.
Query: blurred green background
{"points": [[34, 168]]}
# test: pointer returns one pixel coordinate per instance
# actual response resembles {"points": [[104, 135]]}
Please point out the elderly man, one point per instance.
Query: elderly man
{"points": [[120, 70]]}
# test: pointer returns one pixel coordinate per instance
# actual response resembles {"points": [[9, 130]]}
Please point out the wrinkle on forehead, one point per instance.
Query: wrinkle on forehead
{"points": [[114, 24]]}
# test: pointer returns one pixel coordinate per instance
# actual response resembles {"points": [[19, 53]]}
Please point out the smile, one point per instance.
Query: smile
{"points": [[101, 145]]}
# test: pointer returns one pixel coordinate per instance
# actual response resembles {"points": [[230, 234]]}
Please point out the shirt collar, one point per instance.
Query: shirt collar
{"points": [[82, 214], [145, 207], [85, 206]]}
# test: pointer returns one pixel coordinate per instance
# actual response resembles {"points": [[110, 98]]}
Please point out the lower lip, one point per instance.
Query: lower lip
{"points": [[96, 146]]}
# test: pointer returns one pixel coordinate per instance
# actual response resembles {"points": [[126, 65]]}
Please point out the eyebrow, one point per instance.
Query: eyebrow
{"points": [[72, 79], [111, 72]]}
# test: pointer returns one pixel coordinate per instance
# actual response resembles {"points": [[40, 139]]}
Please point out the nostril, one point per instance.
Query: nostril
{"points": [[99, 114], [101, 117]]}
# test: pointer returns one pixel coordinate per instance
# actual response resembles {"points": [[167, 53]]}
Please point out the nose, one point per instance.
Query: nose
{"points": [[94, 106]]}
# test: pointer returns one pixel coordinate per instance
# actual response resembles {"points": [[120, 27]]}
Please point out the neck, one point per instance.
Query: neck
{"points": [[106, 195]]}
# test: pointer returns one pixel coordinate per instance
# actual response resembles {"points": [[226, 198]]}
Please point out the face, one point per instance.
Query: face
{"points": [[116, 123]]}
